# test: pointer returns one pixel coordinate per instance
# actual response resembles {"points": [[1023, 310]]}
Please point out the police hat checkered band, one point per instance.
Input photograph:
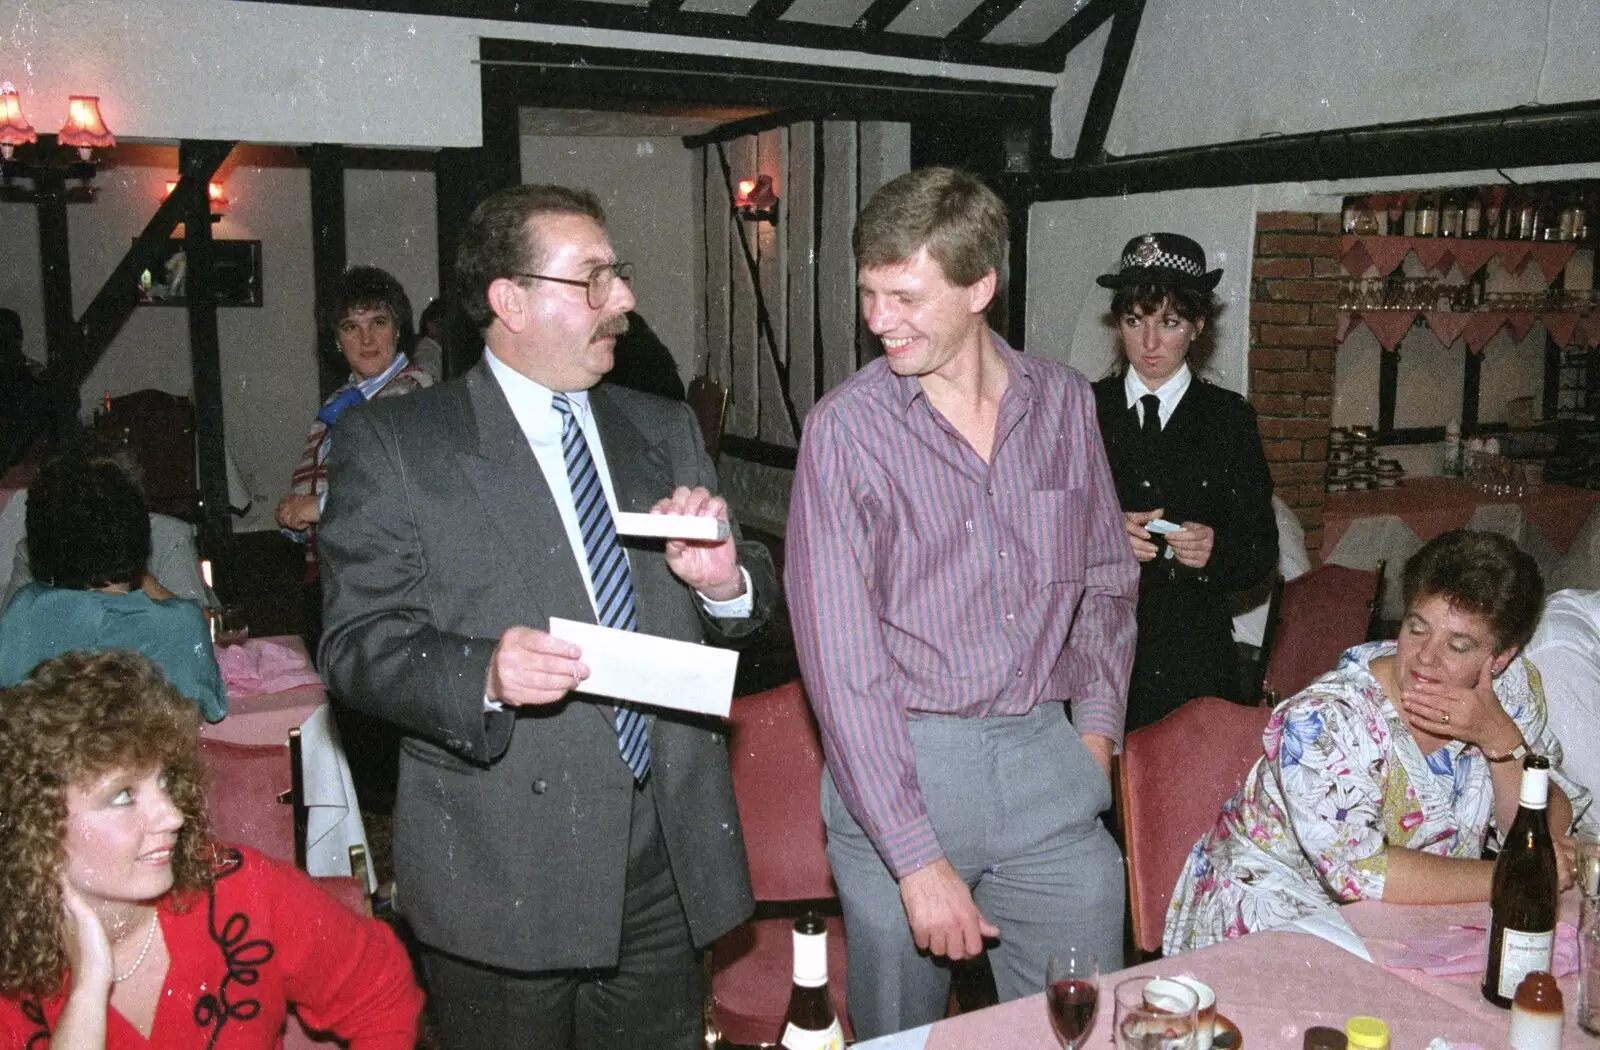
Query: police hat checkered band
{"points": [[1149, 254]]}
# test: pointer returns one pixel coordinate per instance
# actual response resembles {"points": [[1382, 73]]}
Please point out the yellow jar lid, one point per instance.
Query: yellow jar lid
{"points": [[1366, 1033]]}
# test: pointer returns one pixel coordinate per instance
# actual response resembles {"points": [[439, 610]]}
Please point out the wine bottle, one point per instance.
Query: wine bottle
{"points": [[1427, 215], [1472, 215], [1523, 900], [1450, 216], [811, 1023]]}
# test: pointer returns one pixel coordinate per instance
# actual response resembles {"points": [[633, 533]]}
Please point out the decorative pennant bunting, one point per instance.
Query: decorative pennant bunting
{"points": [[1447, 325], [1390, 326], [1481, 328]]}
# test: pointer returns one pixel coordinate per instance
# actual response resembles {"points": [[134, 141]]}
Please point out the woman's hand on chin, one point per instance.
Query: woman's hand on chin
{"points": [[88, 947], [1471, 714]]}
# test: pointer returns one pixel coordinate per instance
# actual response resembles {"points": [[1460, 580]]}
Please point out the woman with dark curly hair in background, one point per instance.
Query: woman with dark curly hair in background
{"points": [[88, 547], [123, 925]]}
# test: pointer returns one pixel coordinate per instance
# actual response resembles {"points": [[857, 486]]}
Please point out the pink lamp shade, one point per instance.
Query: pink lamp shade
{"points": [[14, 127], [85, 128]]}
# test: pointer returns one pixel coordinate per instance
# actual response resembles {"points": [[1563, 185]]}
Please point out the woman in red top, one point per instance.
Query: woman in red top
{"points": [[123, 925]]}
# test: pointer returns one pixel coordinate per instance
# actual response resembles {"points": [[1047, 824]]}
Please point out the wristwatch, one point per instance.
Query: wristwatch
{"points": [[1517, 753]]}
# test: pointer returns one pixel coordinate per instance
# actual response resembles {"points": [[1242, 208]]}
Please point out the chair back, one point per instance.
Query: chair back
{"points": [[1174, 777], [243, 785], [709, 399], [1320, 615], [776, 756], [159, 429]]}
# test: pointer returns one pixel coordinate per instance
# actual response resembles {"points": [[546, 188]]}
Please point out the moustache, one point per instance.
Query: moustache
{"points": [[616, 326]]}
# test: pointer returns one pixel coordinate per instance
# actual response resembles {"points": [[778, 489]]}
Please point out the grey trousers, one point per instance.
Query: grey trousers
{"points": [[1015, 802], [650, 1001]]}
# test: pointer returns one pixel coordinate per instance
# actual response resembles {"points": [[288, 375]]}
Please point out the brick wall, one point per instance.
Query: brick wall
{"points": [[1292, 315]]}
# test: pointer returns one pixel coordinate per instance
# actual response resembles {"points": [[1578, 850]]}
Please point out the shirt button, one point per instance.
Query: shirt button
{"points": [[1019, 672], [1010, 617], [1002, 554], [539, 787], [991, 490]]}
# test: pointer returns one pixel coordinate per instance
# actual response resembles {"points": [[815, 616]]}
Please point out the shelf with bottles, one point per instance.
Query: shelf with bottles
{"points": [[1548, 212]]}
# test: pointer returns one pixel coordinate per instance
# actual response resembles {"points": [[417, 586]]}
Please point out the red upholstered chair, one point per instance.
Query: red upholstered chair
{"points": [[244, 782], [777, 772], [1174, 777], [1320, 615]]}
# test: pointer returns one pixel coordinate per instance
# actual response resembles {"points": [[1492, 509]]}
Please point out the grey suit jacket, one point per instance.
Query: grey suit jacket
{"points": [[511, 828]]}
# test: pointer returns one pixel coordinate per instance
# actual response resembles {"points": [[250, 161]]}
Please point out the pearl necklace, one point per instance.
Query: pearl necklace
{"points": [[149, 939]]}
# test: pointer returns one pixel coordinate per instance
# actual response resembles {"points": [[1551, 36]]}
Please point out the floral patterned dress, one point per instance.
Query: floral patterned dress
{"points": [[1342, 780]]}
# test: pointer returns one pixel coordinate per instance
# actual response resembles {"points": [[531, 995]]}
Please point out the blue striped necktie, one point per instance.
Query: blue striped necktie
{"points": [[608, 570]]}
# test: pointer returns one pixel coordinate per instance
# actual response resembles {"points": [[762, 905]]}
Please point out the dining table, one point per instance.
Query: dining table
{"points": [[272, 688], [1273, 985]]}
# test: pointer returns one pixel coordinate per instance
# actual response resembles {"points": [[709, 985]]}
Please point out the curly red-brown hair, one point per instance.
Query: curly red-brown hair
{"points": [[75, 719]]}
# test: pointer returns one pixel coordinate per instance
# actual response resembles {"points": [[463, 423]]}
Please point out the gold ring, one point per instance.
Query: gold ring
{"points": [[1445, 718]]}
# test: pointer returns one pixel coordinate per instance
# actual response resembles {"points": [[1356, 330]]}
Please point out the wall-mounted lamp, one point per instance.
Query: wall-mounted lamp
{"points": [[84, 129], [756, 200], [214, 191]]}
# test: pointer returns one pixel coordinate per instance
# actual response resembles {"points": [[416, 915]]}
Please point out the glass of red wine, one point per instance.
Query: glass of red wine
{"points": [[1072, 991]]}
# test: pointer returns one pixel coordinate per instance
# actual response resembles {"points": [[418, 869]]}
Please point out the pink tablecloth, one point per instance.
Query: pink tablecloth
{"points": [[267, 718], [1276, 985]]}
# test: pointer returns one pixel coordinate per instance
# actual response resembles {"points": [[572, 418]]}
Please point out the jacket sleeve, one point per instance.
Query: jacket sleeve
{"points": [[1245, 548], [381, 651]]}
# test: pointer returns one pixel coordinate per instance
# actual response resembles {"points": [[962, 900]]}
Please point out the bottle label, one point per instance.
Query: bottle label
{"points": [[1535, 786], [1521, 954], [829, 1038], [810, 959]]}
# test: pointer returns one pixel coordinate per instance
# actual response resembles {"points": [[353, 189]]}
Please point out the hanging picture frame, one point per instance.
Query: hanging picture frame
{"points": [[236, 275]]}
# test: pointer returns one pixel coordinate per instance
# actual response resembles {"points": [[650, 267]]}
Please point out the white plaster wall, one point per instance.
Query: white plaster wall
{"points": [[391, 221], [1070, 243], [647, 186], [1213, 72], [259, 72]]}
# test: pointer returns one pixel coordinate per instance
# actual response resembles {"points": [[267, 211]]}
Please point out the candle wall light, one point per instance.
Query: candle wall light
{"points": [[215, 193], [41, 163], [756, 200]]}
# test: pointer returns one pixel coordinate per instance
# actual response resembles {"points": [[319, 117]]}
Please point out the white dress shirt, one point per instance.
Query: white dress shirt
{"points": [[541, 425], [1170, 392], [1566, 650]]}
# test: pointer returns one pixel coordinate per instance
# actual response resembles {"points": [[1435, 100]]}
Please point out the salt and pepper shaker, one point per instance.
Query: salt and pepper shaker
{"points": [[1536, 1014]]}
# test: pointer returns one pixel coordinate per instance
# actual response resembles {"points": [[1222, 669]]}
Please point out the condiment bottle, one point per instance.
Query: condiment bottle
{"points": [[1536, 1014], [1321, 1037], [1366, 1033]]}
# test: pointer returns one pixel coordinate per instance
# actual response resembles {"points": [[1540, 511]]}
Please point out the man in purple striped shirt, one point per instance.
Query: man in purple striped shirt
{"points": [[957, 576]]}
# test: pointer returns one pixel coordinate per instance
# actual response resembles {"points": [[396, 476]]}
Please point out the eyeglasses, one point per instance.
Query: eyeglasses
{"points": [[597, 284]]}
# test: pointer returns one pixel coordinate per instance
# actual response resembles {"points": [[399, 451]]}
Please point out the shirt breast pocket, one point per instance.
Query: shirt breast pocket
{"points": [[1055, 531]]}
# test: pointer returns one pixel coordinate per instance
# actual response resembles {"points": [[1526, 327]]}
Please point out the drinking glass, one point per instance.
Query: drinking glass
{"points": [[1072, 991], [1155, 1013]]}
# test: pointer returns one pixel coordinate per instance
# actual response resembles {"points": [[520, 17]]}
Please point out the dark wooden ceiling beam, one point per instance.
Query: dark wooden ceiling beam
{"points": [[1090, 16], [880, 15], [1108, 85], [769, 10], [1529, 136], [665, 7], [984, 19], [592, 14]]}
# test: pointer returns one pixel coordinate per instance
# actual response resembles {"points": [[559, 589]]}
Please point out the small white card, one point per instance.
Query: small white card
{"points": [[662, 672], [1162, 526], [670, 526]]}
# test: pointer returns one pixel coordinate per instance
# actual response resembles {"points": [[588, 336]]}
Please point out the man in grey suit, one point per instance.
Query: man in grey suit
{"points": [[560, 858]]}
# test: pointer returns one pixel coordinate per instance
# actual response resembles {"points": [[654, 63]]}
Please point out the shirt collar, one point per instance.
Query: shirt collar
{"points": [[1170, 392], [531, 400], [370, 387], [907, 389]]}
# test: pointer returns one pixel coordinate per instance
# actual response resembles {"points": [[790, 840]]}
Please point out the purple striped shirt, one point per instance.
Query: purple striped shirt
{"points": [[923, 581]]}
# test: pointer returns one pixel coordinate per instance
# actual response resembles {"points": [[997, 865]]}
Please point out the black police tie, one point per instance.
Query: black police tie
{"points": [[1152, 416]]}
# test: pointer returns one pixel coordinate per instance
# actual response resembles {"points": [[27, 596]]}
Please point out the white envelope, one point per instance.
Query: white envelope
{"points": [[670, 526], [627, 665]]}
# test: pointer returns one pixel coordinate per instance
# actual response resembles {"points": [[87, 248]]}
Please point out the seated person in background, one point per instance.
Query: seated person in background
{"points": [[88, 544], [427, 353], [174, 565], [123, 924], [1381, 778], [1566, 650]]}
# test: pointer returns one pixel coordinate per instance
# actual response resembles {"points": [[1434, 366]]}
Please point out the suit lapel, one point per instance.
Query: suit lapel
{"points": [[641, 474], [497, 462]]}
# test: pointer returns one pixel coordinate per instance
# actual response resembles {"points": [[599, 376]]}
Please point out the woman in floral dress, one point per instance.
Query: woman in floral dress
{"points": [[1381, 779]]}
